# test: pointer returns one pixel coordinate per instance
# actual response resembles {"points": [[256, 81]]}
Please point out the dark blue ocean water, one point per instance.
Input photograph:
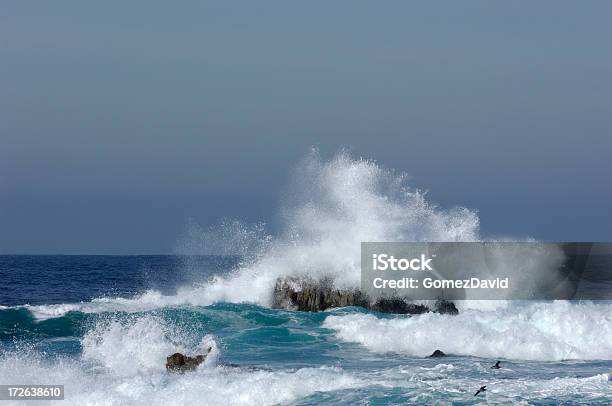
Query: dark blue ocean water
{"points": [[103, 325], [46, 279]]}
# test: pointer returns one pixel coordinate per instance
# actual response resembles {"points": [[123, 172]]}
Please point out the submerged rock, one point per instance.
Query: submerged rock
{"points": [[178, 362], [314, 296], [437, 354]]}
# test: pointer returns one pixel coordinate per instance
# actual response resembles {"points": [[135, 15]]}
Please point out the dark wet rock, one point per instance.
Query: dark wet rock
{"points": [[398, 306], [308, 295], [313, 296], [437, 354], [178, 362], [445, 307]]}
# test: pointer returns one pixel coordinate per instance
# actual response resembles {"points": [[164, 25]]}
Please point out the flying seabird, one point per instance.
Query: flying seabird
{"points": [[482, 389]]}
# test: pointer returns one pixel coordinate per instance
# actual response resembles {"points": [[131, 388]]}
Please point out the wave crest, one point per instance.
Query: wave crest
{"points": [[543, 331], [331, 207]]}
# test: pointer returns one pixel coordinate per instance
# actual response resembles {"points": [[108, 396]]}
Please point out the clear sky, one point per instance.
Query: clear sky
{"points": [[120, 120]]}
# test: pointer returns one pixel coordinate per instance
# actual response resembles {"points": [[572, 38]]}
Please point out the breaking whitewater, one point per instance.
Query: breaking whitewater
{"points": [[111, 350]]}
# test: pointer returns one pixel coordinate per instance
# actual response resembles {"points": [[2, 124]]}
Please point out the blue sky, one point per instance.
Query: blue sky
{"points": [[119, 121]]}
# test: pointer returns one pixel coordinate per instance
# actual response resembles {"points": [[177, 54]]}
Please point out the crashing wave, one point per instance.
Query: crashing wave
{"points": [[543, 331]]}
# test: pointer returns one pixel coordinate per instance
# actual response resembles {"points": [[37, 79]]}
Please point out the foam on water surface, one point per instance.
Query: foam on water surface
{"points": [[542, 331], [113, 351]]}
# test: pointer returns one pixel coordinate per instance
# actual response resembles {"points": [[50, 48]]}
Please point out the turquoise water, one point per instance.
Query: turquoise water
{"points": [[111, 349]]}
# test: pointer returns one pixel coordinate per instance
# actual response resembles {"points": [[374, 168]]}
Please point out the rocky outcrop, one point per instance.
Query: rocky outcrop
{"points": [[437, 354], [178, 362], [313, 296], [398, 306]]}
